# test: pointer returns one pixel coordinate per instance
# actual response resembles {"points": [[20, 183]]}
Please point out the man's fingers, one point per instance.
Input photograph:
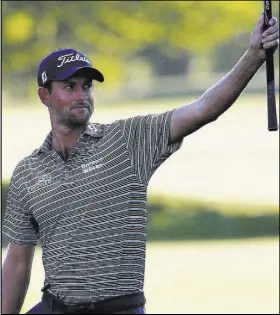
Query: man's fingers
{"points": [[272, 44], [271, 30], [270, 38], [273, 21], [271, 35]]}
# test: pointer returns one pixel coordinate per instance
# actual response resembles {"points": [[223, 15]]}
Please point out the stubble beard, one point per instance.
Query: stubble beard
{"points": [[72, 121]]}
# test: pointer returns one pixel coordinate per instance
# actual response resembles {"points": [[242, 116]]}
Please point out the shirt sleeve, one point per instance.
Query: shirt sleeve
{"points": [[147, 139], [18, 226]]}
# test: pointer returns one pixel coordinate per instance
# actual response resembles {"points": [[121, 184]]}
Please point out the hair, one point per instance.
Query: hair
{"points": [[48, 86]]}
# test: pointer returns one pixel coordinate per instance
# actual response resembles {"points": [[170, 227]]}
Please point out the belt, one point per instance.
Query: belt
{"points": [[108, 306]]}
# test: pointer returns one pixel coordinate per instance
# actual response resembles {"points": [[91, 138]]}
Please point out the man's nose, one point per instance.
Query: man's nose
{"points": [[81, 95]]}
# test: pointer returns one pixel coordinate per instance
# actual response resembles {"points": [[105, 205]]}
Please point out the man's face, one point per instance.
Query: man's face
{"points": [[71, 101]]}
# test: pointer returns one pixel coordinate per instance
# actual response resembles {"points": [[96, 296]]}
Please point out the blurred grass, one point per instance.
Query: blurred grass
{"points": [[181, 205], [202, 277]]}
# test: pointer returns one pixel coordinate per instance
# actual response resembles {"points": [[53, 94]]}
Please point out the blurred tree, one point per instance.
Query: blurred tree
{"points": [[113, 31], [224, 56]]}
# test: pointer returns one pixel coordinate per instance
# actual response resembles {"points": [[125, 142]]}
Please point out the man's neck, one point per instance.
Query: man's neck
{"points": [[64, 139]]}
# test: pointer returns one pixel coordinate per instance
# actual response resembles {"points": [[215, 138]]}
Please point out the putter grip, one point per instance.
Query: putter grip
{"points": [[270, 79], [271, 100]]}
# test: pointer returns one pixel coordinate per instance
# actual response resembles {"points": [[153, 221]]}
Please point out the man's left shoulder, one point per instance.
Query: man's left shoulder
{"points": [[95, 129], [101, 130]]}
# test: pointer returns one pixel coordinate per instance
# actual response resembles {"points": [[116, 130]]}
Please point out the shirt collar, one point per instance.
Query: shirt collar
{"points": [[92, 129]]}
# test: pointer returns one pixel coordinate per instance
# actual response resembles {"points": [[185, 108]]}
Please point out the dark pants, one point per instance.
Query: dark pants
{"points": [[43, 308]]}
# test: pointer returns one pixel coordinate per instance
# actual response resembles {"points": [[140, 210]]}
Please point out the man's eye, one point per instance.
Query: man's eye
{"points": [[88, 85], [69, 86]]}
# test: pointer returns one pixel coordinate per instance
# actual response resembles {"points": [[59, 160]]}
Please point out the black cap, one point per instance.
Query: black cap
{"points": [[62, 63]]}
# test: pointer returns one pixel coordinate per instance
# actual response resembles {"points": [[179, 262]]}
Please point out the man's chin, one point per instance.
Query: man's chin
{"points": [[77, 122]]}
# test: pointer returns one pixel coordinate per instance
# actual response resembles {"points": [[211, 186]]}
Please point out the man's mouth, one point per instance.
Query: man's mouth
{"points": [[81, 106]]}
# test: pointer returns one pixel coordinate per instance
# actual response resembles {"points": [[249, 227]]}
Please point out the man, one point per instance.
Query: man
{"points": [[83, 192]]}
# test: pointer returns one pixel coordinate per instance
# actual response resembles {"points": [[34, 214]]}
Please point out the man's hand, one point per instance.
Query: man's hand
{"points": [[218, 98], [264, 39]]}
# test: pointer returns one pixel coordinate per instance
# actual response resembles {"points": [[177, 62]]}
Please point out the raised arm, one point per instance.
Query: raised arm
{"points": [[217, 99]]}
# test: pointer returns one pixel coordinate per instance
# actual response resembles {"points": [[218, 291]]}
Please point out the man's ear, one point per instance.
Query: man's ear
{"points": [[44, 95]]}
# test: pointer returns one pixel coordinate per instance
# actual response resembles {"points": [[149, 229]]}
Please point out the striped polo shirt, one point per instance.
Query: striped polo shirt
{"points": [[89, 213]]}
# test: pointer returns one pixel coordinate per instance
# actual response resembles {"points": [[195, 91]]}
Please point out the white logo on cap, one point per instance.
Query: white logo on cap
{"points": [[44, 77], [70, 58]]}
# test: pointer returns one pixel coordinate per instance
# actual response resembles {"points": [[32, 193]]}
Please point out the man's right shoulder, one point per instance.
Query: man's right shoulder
{"points": [[24, 165]]}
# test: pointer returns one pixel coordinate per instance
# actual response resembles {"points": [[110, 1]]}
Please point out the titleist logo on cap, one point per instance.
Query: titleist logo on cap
{"points": [[70, 58]]}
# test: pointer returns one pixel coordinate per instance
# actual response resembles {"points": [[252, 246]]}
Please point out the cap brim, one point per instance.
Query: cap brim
{"points": [[90, 72]]}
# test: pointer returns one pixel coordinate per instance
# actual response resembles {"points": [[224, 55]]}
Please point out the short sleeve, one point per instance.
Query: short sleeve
{"points": [[147, 139], [18, 225]]}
